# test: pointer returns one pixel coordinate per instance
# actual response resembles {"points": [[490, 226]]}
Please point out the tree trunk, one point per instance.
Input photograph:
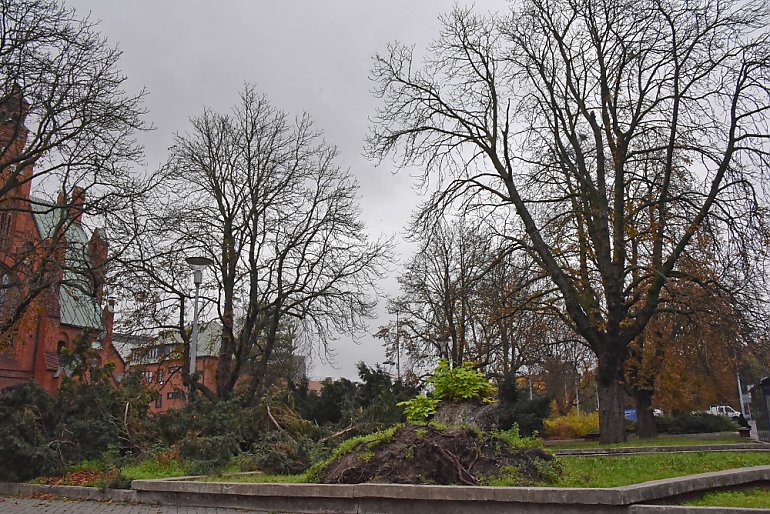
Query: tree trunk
{"points": [[645, 421], [612, 421]]}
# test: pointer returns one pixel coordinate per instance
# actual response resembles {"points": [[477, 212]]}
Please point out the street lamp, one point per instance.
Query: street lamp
{"points": [[198, 264], [397, 362], [398, 350]]}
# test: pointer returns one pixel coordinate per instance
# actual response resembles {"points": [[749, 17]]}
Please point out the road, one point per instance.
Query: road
{"points": [[16, 505]]}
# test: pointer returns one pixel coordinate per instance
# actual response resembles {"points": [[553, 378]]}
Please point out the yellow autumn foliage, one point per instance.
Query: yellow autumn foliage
{"points": [[572, 426]]}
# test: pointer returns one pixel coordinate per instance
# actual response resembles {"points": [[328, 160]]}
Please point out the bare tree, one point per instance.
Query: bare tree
{"points": [[260, 194], [437, 315], [66, 126], [578, 117], [465, 296], [516, 302]]}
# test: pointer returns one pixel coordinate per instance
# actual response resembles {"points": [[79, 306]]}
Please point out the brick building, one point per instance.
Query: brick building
{"points": [[50, 265], [160, 359]]}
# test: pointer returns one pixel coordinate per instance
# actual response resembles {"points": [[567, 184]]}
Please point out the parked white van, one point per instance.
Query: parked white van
{"points": [[723, 410]]}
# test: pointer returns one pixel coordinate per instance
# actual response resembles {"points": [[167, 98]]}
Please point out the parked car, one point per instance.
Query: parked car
{"points": [[723, 410], [631, 414]]}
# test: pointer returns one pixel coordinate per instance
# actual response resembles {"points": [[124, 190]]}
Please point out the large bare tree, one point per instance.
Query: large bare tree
{"points": [[259, 193], [582, 118]]}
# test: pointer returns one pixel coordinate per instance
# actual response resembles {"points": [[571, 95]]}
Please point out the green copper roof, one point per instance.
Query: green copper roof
{"points": [[78, 306]]}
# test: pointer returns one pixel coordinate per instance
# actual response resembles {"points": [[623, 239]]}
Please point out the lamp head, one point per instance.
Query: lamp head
{"points": [[199, 263]]}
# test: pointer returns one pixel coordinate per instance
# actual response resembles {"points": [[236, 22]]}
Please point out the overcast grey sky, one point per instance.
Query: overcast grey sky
{"points": [[308, 55]]}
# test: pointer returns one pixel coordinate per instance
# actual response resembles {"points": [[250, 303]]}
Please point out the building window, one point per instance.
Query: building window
{"points": [[159, 402], [175, 395], [147, 376], [174, 369], [5, 224], [8, 292], [160, 376]]}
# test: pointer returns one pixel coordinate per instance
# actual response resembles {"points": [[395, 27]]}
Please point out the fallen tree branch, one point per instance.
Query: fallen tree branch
{"points": [[344, 431], [277, 425]]}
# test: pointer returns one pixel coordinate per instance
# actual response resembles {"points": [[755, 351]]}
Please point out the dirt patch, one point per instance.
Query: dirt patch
{"points": [[429, 455], [82, 478]]}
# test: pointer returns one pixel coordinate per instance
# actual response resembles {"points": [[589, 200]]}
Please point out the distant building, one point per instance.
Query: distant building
{"points": [[160, 359], [44, 245]]}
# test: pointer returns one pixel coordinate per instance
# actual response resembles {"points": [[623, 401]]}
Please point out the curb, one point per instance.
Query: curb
{"points": [[426, 499], [422, 499], [635, 450], [69, 491]]}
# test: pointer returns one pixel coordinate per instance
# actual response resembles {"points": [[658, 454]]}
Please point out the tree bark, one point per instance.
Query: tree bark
{"points": [[645, 420], [612, 420]]}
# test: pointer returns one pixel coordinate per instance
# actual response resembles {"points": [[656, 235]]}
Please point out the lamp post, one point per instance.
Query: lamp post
{"points": [[198, 264], [397, 362], [398, 350]]}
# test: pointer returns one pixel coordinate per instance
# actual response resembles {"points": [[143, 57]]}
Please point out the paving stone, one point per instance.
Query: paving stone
{"points": [[15, 505]]}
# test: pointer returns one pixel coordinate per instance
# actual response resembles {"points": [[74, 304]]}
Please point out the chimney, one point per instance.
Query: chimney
{"points": [[97, 255], [76, 207], [13, 113]]}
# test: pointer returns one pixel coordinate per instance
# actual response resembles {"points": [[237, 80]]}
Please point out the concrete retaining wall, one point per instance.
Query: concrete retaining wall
{"points": [[404, 499], [306, 498]]}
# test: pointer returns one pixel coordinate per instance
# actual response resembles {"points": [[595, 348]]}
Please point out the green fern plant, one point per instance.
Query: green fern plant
{"points": [[419, 408], [460, 383]]}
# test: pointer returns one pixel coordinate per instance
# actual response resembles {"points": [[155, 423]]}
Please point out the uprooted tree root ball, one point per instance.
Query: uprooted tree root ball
{"points": [[431, 455]]}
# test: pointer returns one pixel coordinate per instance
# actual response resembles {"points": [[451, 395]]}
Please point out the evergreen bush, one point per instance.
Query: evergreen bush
{"points": [[29, 420], [694, 423], [516, 410]]}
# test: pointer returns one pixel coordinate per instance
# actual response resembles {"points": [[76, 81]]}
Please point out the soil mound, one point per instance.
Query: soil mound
{"points": [[429, 455]]}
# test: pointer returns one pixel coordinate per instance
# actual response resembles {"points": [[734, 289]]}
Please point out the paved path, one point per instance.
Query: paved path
{"points": [[754, 433], [16, 505]]}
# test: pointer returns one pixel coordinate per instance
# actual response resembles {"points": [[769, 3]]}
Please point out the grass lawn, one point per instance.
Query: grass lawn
{"points": [[633, 469], [151, 469], [664, 440], [259, 478], [755, 498]]}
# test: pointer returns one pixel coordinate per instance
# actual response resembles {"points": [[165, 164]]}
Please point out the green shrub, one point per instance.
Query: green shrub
{"points": [[694, 423], [42, 434], [278, 454], [208, 454], [29, 420], [210, 418], [572, 426], [419, 409], [527, 415], [514, 438], [460, 383]]}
